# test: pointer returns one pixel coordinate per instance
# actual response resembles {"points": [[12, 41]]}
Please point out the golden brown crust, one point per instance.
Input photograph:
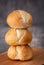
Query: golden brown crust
{"points": [[18, 37], [19, 19], [20, 52]]}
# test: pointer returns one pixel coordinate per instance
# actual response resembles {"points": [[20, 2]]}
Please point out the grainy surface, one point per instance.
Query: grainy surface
{"points": [[38, 58]]}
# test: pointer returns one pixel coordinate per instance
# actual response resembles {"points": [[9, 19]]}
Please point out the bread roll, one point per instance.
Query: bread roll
{"points": [[20, 52], [18, 37], [19, 19]]}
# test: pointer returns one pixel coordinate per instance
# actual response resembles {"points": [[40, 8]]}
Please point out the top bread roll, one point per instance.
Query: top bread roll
{"points": [[19, 19]]}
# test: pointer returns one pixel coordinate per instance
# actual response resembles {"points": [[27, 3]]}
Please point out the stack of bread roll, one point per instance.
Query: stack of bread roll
{"points": [[18, 37]]}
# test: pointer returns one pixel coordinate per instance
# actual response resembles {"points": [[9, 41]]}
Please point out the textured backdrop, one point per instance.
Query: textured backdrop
{"points": [[35, 7]]}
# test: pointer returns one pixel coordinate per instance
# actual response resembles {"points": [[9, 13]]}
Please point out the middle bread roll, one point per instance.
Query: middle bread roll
{"points": [[18, 37]]}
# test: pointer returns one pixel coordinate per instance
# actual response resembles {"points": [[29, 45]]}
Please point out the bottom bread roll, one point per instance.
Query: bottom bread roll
{"points": [[20, 52]]}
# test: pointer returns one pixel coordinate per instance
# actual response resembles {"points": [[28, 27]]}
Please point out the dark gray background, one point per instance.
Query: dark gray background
{"points": [[35, 7]]}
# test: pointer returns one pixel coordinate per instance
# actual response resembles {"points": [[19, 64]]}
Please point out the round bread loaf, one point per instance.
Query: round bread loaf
{"points": [[19, 19], [20, 52], [18, 37]]}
